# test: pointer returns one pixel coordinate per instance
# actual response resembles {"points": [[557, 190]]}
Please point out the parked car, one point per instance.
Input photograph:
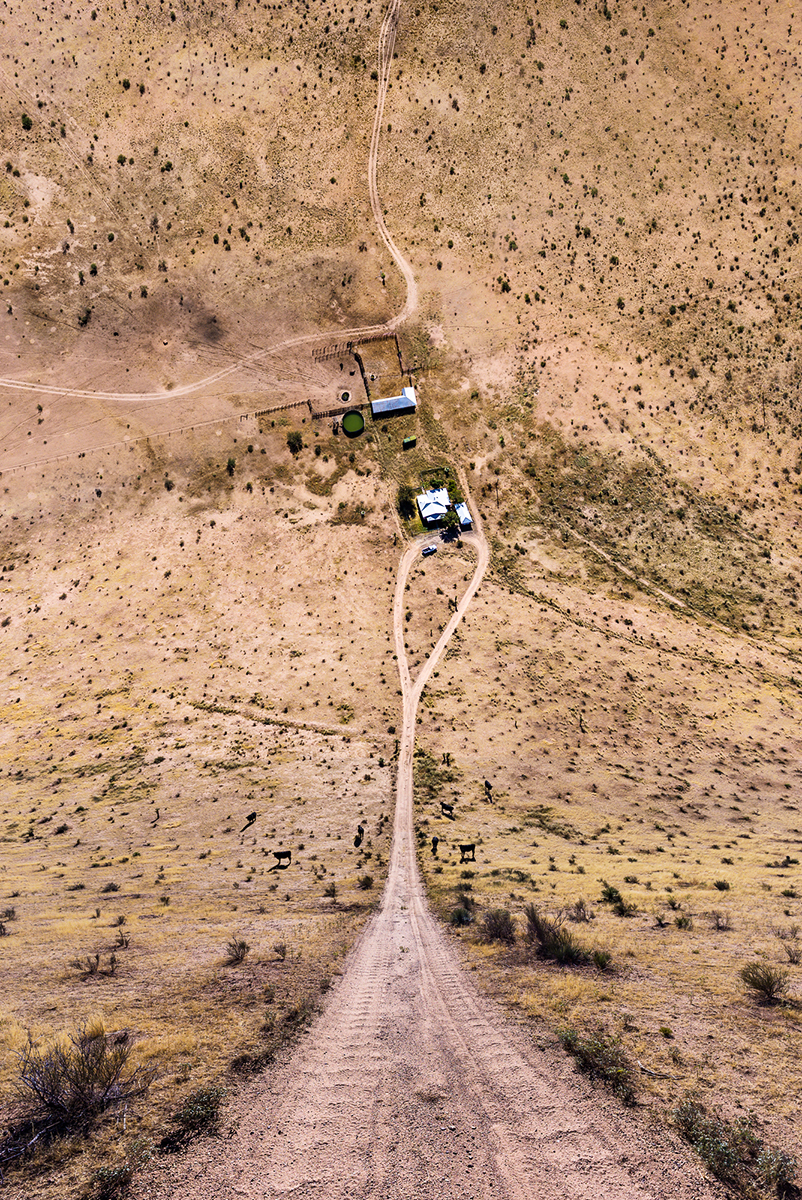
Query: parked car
{"points": [[427, 550]]}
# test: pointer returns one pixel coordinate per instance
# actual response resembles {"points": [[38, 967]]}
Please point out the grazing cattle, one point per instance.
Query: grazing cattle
{"points": [[360, 833], [468, 853], [158, 814], [488, 786], [435, 844], [447, 810], [283, 860], [249, 820]]}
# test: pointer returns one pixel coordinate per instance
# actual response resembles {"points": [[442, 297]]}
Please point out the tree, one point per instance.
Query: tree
{"points": [[230, 465], [295, 441], [27, 123], [406, 500], [450, 520]]}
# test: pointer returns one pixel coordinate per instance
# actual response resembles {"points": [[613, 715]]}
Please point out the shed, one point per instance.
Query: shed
{"points": [[464, 514], [406, 402], [409, 442]]}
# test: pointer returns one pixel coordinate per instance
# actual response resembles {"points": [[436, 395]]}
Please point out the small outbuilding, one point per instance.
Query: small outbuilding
{"points": [[433, 505], [406, 402], [464, 514]]}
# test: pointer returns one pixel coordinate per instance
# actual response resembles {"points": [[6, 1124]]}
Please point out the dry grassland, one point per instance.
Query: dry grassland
{"points": [[599, 202]]}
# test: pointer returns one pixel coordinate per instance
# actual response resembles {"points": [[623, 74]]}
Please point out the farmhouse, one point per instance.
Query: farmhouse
{"points": [[406, 402], [433, 505]]}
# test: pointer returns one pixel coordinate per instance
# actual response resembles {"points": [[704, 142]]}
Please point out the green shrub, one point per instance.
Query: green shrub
{"points": [[733, 1150], [460, 916], [295, 441], [498, 926], [200, 1112], [767, 982], [237, 950], [552, 939], [602, 1057]]}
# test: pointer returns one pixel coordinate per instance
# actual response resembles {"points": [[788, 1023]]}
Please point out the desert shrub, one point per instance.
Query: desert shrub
{"points": [[110, 887], [551, 938], [280, 948], [237, 950], [71, 1083], [365, 883], [789, 937], [776, 1169], [460, 916], [601, 959], [498, 926], [295, 441], [330, 890], [580, 911], [200, 1112], [733, 1150], [110, 1182], [721, 920], [767, 982], [602, 1057], [722, 885], [610, 894]]}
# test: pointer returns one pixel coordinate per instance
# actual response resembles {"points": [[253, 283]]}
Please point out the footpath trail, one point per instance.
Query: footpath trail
{"points": [[412, 1085]]}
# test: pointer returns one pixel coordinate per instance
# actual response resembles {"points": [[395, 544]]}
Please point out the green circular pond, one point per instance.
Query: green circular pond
{"points": [[353, 422]]}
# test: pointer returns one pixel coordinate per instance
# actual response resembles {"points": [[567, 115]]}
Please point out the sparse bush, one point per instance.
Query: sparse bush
{"points": [[601, 959], [789, 938], [280, 949], [330, 890], [552, 939], [365, 883], [732, 1150], [110, 887], [602, 1057], [72, 1083], [767, 982], [460, 916], [237, 950], [610, 894], [295, 441], [721, 920], [722, 885], [498, 926], [200, 1112], [580, 911]]}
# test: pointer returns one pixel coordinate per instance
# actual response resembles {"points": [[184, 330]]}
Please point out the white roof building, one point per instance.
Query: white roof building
{"points": [[406, 402], [433, 505], [464, 514]]}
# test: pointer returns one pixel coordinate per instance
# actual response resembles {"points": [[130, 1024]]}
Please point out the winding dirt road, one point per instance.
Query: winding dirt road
{"points": [[411, 1084]]}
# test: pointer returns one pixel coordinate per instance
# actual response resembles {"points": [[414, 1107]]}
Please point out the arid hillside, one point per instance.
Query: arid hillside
{"points": [[599, 203]]}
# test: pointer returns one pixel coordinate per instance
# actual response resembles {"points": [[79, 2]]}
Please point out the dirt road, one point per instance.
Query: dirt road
{"points": [[411, 1084]]}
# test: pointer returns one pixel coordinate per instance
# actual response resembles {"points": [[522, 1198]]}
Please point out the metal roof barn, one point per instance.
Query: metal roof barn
{"points": [[406, 402]]}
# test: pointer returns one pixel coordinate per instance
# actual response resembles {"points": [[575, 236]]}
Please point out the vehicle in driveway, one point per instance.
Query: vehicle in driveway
{"points": [[427, 550]]}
